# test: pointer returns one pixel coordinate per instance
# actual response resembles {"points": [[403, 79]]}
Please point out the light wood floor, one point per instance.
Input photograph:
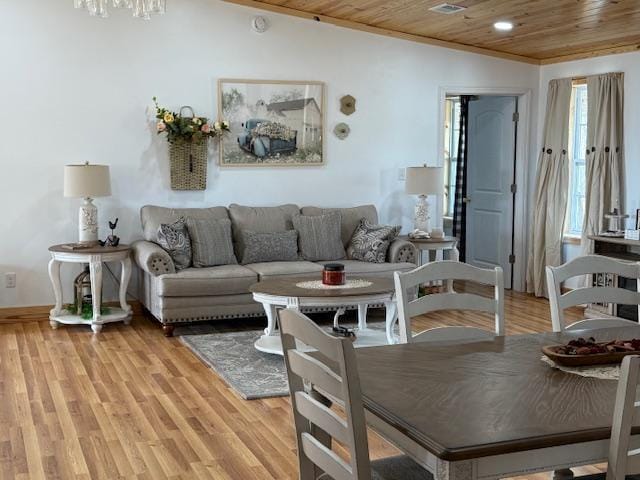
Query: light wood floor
{"points": [[130, 403]]}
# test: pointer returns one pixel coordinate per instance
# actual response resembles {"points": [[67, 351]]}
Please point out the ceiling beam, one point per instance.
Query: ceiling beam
{"points": [[382, 31]]}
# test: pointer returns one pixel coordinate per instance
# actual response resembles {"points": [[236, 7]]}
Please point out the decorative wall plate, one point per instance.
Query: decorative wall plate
{"points": [[342, 131], [347, 104]]}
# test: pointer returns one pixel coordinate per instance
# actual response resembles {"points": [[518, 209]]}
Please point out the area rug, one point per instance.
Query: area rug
{"points": [[250, 373]]}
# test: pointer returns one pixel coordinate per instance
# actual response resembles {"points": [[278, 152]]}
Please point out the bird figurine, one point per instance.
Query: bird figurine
{"points": [[112, 240]]}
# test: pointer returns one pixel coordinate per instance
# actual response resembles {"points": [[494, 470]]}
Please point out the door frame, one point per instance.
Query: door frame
{"points": [[520, 225]]}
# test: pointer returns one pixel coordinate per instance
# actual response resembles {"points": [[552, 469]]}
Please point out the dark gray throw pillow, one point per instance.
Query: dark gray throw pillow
{"points": [[174, 238], [269, 247], [319, 236], [371, 242], [211, 242]]}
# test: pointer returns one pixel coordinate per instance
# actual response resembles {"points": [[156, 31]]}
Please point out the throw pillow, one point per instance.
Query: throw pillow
{"points": [[319, 236], [371, 242], [211, 242], [269, 247], [174, 238]]}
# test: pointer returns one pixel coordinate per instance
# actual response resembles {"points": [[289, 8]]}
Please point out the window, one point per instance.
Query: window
{"points": [[577, 151], [451, 133]]}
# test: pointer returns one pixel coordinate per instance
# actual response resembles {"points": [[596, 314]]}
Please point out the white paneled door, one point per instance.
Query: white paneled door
{"points": [[490, 176]]}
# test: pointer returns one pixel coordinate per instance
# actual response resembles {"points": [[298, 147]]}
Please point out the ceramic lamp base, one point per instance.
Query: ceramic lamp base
{"points": [[422, 218], [88, 223]]}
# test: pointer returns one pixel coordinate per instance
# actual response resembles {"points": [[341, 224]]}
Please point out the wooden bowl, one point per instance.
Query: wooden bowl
{"points": [[584, 360]]}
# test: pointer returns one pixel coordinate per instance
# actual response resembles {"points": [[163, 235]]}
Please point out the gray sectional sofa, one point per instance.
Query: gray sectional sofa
{"points": [[222, 292]]}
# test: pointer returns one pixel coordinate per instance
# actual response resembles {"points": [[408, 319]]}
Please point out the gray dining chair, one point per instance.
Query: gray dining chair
{"points": [[590, 265], [409, 305], [316, 380], [622, 460]]}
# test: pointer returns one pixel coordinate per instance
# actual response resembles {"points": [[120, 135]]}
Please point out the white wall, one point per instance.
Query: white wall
{"points": [[76, 88], [629, 63]]}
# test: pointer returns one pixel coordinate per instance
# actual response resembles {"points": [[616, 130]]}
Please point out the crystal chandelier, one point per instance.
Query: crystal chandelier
{"points": [[141, 8]]}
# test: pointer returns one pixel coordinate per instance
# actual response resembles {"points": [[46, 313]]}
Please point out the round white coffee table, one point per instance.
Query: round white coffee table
{"points": [[95, 257], [280, 293]]}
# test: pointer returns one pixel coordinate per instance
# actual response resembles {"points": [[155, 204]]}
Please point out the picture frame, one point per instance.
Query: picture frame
{"points": [[272, 123], [638, 219]]}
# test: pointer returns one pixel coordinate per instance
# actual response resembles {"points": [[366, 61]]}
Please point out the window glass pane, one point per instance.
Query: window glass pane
{"points": [[577, 153]]}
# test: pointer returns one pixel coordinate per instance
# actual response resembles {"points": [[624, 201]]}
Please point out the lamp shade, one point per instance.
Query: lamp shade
{"points": [[87, 181], [424, 181]]}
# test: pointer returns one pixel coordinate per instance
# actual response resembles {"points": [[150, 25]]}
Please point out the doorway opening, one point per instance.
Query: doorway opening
{"points": [[481, 178]]}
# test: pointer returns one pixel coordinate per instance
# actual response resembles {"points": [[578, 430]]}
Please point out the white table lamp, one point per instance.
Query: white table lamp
{"points": [[87, 181], [423, 181]]}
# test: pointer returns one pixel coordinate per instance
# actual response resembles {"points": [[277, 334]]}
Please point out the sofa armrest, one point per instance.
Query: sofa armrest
{"points": [[151, 258], [401, 251]]}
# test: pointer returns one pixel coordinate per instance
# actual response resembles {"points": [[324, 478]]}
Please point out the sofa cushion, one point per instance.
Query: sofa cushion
{"points": [[211, 242], [356, 267], [319, 236], [152, 216], [194, 282], [269, 247], [283, 269], [259, 220], [349, 218]]}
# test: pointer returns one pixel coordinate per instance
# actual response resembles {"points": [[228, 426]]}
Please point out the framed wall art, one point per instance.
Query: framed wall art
{"points": [[272, 123]]}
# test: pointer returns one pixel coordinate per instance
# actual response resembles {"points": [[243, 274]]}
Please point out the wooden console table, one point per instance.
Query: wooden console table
{"points": [[621, 249]]}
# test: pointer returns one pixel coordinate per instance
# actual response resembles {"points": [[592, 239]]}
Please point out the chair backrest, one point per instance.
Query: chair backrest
{"points": [[622, 460], [409, 306], [331, 373], [589, 265]]}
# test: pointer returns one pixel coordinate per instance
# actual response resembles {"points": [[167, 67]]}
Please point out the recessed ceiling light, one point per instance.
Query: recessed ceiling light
{"points": [[503, 26]]}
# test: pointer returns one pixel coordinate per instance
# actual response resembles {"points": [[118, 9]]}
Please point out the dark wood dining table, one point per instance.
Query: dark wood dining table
{"points": [[491, 408]]}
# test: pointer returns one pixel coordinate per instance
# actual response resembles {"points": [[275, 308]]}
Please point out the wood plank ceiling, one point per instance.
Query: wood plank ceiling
{"points": [[545, 31]]}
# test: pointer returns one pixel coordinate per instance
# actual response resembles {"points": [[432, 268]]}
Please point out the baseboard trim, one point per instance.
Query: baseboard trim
{"points": [[40, 313]]}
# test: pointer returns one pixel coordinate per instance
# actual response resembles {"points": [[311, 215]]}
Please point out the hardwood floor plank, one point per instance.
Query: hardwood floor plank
{"points": [[130, 403]]}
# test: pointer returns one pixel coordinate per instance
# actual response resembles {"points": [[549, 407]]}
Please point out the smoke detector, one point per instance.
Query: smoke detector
{"points": [[447, 8]]}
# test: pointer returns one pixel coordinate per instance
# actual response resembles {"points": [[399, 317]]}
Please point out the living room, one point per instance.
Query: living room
{"points": [[118, 361]]}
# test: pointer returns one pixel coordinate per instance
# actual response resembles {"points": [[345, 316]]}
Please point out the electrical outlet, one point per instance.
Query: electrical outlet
{"points": [[402, 174], [10, 280]]}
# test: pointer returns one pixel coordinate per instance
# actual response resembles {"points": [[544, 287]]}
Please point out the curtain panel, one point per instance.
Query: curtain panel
{"points": [[460, 204], [604, 160], [551, 190]]}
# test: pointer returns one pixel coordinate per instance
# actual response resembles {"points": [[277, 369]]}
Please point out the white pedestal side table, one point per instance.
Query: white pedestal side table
{"points": [[95, 257]]}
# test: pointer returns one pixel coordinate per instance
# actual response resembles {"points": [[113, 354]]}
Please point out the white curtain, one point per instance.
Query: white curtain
{"points": [[552, 184], [604, 161]]}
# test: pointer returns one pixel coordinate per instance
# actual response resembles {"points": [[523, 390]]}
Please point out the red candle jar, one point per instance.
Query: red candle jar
{"points": [[334, 274]]}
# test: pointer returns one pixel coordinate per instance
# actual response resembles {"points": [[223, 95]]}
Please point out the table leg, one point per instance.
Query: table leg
{"points": [[462, 470], [563, 474], [95, 270], [124, 283], [54, 275], [272, 319], [336, 317], [390, 320], [454, 255], [362, 316]]}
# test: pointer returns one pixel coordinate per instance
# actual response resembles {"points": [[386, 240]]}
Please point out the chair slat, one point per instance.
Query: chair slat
{"points": [[449, 301], [594, 323], [580, 296], [593, 264], [314, 338], [452, 333], [326, 459], [450, 270], [316, 372], [321, 416]]}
